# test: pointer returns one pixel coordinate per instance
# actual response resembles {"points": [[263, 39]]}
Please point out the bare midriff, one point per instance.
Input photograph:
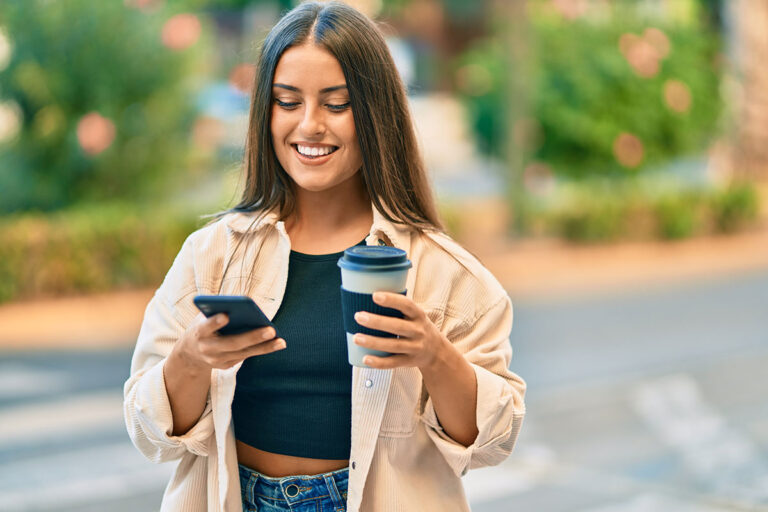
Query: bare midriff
{"points": [[278, 465]]}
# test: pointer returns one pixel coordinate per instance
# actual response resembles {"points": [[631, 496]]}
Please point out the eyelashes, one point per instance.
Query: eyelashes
{"points": [[293, 105]]}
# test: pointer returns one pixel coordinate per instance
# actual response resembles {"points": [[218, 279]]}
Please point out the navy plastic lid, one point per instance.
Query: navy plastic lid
{"points": [[374, 258]]}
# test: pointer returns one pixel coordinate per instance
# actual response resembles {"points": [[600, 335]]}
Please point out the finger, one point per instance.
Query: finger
{"points": [[229, 359], [388, 324], [387, 362], [400, 302], [212, 324], [385, 344], [243, 341], [268, 347]]}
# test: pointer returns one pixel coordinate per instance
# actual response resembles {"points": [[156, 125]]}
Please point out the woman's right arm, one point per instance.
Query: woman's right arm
{"points": [[166, 405], [187, 371]]}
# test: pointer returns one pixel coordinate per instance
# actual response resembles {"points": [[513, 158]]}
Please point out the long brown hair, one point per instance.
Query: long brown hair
{"points": [[392, 170]]}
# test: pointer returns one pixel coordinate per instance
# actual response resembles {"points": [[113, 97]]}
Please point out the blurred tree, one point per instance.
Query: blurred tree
{"points": [[611, 91], [100, 98], [750, 37]]}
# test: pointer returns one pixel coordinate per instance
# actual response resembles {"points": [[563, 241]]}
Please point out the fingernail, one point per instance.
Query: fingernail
{"points": [[281, 344], [378, 297], [268, 335], [360, 316], [221, 319]]}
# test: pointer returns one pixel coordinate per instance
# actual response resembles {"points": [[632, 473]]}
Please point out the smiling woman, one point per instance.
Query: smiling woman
{"points": [[269, 423]]}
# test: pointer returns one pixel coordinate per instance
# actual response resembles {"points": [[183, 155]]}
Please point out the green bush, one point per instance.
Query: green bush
{"points": [[89, 249], [607, 210], [72, 58], [581, 92], [734, 207], [678, 216]]}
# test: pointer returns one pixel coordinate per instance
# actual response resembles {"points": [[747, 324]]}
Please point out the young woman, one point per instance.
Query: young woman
{"points": [[278, 420]]}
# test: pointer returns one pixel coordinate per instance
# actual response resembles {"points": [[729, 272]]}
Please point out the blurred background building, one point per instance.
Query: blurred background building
{"points": [[606, 159]]}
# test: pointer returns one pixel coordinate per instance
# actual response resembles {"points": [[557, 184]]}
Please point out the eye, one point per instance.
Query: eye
{"points": [[287, 106], [338, 108]]}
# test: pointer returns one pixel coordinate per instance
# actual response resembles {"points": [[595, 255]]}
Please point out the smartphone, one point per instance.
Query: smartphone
{"points": [[244, 314]]}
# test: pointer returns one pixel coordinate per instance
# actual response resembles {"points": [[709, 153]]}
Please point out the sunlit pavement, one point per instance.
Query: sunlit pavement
{"points": [[644, 401]]}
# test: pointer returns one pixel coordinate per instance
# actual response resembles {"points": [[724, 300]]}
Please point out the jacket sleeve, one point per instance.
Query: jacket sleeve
{"points": [[146, 406], [484, 342]]}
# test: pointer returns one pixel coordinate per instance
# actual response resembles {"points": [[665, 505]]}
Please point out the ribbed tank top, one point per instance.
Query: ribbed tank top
{"points": [[298, 401]]}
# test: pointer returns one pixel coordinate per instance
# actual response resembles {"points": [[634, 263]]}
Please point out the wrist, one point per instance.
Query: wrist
{"points": [[182, 361], [443, 359]]}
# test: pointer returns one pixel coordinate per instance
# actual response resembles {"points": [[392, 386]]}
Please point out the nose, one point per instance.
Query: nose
{"points": [[313, 122]]}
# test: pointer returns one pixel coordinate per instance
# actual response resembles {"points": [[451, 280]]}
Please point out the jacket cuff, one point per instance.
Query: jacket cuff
{"points": [[499, 418], [153, 409]]}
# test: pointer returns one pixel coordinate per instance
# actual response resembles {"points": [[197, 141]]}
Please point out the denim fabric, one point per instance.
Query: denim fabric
{"points": [[325, 492]]}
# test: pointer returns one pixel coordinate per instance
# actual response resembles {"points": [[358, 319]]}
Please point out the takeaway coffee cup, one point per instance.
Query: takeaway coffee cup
{"points": [[364, 270]]}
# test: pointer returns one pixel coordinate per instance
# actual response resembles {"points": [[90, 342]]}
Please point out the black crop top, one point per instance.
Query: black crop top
{"points": [[298, 401]]}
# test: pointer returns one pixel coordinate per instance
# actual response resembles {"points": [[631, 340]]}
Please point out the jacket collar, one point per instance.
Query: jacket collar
{"points": [[390, 233]]}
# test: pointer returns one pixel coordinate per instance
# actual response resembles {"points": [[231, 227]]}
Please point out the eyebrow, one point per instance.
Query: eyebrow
{"points": [[296, 89]]}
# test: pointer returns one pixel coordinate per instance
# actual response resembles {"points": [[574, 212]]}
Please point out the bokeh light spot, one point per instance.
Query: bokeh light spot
{"points": [[181, 31], [538, 178], [144, 5], [10, 120], [242, 77], [628, 150], [95, 133], [645, 54], [658, 40], [570, 9], [6, 50], [677, 96], [48, 121]]}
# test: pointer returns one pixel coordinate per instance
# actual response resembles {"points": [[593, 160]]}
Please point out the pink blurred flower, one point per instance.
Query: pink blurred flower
{"points": [[677, 96], [242, 77], [628, 150], [95, 133], [181, 31]]}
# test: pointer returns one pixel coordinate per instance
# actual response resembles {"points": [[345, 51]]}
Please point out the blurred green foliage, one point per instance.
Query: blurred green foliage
{"points": [[583, 90], [736, 207], [76, 57], [604, 210], [89, 248]]}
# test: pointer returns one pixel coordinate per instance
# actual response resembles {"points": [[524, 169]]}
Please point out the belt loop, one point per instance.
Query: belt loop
{"points": [[333, 492]]}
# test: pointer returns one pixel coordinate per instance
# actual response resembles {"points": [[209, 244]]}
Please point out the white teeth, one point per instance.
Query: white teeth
{"points": [[313, 151]]}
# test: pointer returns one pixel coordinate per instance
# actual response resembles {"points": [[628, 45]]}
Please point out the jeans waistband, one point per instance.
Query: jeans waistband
{"points": [[296, 488]]}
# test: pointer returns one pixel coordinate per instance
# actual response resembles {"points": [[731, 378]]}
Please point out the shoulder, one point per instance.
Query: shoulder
{"points": [[453, 276]]}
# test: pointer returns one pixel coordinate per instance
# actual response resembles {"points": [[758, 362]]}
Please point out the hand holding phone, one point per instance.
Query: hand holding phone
{"points": [[233, 330], [243, 313]]}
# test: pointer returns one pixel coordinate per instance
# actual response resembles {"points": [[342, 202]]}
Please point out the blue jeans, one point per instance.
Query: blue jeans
{"points": [[325, 492]]}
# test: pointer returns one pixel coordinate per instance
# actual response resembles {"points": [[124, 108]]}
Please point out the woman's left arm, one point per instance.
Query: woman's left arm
{"points": [[476, 403], [448, 377]]}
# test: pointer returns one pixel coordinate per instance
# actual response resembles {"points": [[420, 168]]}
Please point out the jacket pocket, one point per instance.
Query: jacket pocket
{"points": [[401, 412]]}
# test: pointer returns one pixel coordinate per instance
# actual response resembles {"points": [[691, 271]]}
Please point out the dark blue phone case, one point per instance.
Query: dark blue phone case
{"points": [[244, 314]]}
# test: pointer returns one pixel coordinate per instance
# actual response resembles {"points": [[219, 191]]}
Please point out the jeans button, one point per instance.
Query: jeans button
{"points": [[292, 491]]}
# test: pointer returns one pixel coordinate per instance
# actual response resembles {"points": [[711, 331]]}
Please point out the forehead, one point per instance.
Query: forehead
{"points": [[309, 67]]}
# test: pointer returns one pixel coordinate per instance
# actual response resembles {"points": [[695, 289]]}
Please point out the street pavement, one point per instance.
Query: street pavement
{"points": [[646, 400]]}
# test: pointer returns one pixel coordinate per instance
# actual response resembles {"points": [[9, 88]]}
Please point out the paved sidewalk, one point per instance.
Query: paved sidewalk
{"points": [[529, 269]]}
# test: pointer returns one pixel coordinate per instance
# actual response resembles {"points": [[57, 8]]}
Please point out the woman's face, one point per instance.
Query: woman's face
{"points": [[313, 131]]}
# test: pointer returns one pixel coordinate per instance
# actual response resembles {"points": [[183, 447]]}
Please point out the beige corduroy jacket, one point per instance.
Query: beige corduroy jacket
{"points": [[400, 459]]}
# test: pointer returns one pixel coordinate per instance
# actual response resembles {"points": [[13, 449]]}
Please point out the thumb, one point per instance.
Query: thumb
{"points": [[214, 323]]}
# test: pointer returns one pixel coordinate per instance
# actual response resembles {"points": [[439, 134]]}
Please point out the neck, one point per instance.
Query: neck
{"points": [[329, 212]]}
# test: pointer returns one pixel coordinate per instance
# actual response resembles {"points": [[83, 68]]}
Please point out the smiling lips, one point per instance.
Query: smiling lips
{"points": [[315, 154]]}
